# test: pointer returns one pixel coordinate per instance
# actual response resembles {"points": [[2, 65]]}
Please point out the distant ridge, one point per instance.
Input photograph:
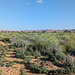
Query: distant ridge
{"points": [[46, 30], [73, 30]]}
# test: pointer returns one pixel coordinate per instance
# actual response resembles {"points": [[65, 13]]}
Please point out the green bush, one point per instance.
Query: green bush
{"points": [[51, 57], [60, 56], [10, 64], [22, 72], [26, 60], [20, 54], [1, 64], [5, 39], [15, 61], [27, 53], [69, 65], [39, 69]]}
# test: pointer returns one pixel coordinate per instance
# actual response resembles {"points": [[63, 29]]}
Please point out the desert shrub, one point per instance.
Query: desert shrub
{"points": [[10, 64], [3, 50], [34, 68], [3, 60], [52, 72], [1, 64], [36, 57], [51, 57], [44, 70], [60, 56], [27, 53], [62, 42], [60, 71], [26, 60], [36, 54], [68, 66], [22, 72], [39, 69], [18, 43], [20, 53], [58, 64], [15, 61], [69, 46], [17, 55], [5, 39], [56, 55], [72, 52]]}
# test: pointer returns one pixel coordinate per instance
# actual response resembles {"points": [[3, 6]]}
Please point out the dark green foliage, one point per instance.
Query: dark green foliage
{"points": [[39, 69], [10, 64], [26, 60], [1, 64], [69, 65], [51, 57], [20, 54], [15, 61], [5, 39], [70, 47], [36, 54], [22, 71], [27, 53]]}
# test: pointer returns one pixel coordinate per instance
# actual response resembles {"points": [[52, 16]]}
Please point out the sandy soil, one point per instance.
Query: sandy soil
{"points": [[44, 62], [15, 69], [2, 43]]}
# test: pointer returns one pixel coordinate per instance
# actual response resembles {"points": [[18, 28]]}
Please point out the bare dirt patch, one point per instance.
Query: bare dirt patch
{"points": [[42, 61], [15, 69]]}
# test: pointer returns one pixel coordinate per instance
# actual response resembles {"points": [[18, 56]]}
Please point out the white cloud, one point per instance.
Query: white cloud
{"points": [[27, 3], [39, 1]]}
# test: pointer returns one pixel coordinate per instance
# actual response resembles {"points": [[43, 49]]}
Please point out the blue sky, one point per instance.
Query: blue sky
{"points": [[37, 14]]}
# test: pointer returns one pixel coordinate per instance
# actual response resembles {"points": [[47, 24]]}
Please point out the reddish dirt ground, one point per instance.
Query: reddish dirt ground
{"points": [[15, 69]]}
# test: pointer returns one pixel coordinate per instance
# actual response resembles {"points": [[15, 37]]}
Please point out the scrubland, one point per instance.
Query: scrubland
{"points": [[23, 53]]}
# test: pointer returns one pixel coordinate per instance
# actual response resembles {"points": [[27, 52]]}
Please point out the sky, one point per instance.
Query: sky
{"points": [[37, 14]]}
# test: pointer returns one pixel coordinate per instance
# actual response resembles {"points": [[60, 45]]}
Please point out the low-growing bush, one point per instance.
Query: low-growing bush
{"points": [[39, 69], [26, 60], [22, 72], [27, 53], [10, 64], [1, 64], [69, 65], [51, 57], [5, 39], [20, 54], [15, 61]]}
